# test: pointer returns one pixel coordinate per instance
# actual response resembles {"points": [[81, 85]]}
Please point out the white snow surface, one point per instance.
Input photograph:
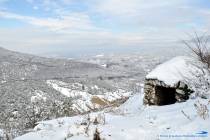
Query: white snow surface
{"points": [[1, 133], [177, 69], [39, 96], [130, 121], [83, 99]]}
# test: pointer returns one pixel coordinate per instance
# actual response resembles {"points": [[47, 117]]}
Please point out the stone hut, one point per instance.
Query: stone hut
{"points": [[170, 82], [158, 93]]}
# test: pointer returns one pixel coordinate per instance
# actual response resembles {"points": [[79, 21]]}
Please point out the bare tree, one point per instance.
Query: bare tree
{"points": [[200, 47], [33, 114]]}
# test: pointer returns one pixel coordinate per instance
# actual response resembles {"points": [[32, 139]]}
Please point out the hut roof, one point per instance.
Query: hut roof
{"points": [[181, 68]]}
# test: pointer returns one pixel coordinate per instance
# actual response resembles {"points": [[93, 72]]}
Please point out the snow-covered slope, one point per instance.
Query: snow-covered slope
{"points": [[50, 87], [133, 120], [84, 101], [130, 121]]}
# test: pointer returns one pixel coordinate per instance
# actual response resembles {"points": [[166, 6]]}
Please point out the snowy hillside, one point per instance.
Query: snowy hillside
{"points": [[84, 101], [38, 93], [130, 121], [133, 120], [35, 88]]}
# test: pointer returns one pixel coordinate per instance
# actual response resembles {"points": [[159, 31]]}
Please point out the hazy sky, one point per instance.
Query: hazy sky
{"points": [[44, 25]]}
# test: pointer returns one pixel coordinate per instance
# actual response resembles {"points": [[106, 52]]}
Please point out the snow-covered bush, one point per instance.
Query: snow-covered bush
{"points": [[202, 110], [201, 81]]}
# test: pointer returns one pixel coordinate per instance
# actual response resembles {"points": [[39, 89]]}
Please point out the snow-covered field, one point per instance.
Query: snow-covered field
{"points": [[130, 121]]}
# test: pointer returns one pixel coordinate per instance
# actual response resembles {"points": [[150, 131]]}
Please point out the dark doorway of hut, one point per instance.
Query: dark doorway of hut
{"points": [[165, 95]]}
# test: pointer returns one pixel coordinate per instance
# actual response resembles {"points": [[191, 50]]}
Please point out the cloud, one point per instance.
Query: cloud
{"points": [[36, 41], [149, 13], [72, 21], [121, 14], [105, 23], [130, 8], [50, 5], [35, 7]]}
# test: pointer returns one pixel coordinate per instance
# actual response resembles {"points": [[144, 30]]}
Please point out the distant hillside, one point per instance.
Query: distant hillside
{"points": [[34, 89], [25, 86]]}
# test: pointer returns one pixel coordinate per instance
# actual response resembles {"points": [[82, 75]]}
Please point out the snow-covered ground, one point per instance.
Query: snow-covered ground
{"points": [[84, 101], [131, 121]]}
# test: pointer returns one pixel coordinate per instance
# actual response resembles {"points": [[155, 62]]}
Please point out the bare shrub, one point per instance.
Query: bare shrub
{"points": [[88, 125], [200, 47], [202, 110], [96, 135], [187, 116], [88, 121]]}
